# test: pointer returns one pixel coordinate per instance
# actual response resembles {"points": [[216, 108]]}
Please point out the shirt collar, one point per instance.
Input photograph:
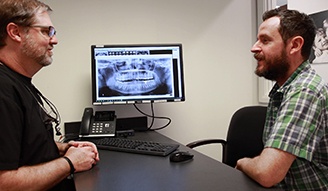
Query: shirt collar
{"points": [[276, 88]]}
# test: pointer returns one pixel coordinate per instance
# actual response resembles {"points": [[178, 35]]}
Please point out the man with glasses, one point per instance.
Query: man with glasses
{"points": [[30, 159]]}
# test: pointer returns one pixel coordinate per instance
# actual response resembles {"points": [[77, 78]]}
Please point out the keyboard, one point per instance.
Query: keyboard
{"points": [[135, 146]]}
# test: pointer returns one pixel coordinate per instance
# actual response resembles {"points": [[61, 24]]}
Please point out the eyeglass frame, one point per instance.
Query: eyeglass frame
{"points": [[52, 31]]}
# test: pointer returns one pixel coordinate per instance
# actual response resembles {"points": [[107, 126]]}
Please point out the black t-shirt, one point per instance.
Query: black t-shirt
{"points": [[24, 138]]}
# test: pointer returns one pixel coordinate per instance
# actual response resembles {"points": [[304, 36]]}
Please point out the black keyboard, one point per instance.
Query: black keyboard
{"points": [[135, 146]]}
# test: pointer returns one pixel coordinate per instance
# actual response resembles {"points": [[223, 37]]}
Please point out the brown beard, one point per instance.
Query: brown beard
{"points": [[275, 68]]}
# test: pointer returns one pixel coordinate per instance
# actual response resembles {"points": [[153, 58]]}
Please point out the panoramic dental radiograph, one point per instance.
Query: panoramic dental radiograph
{"points": [[131, 76]]}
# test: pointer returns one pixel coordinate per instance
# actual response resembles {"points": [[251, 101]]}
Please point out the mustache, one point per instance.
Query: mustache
{"points": [[258, 56]]}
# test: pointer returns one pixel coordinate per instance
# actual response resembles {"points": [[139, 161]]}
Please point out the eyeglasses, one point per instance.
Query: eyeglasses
{"points": [[51, 30]]}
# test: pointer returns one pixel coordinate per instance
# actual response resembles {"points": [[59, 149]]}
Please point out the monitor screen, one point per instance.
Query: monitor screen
{"points": [[128, 74]]}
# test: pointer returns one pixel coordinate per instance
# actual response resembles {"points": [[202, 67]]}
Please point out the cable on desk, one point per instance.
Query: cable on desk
{"points": [[153, 117]]}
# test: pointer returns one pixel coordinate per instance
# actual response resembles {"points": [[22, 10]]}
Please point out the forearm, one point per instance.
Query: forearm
{"points": [[250, 166], [39, 177], [269, 168]]}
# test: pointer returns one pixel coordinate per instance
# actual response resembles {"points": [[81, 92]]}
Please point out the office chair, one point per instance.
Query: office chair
{"points": [[244, 138]]}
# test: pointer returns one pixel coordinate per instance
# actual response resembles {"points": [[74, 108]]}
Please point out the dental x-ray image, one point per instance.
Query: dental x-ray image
{"points": [[134, 76]]}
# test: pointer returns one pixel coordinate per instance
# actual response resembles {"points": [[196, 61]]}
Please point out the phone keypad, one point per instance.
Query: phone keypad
{"points": [[102, 128]]}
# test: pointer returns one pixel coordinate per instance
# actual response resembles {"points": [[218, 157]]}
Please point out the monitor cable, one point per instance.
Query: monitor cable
{"points": [[153, 117]]}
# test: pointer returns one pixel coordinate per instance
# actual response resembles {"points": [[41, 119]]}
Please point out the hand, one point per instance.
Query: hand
{"points": [[240, 163], [86, 144], [62, 147], [317, 52], [83, 158]]}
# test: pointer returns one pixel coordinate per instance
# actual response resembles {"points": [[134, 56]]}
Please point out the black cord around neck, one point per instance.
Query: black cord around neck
{"points": [[57, 119]]}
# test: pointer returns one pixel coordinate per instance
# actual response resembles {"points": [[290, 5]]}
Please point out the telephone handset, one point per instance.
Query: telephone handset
{"points": [[103, 124]]}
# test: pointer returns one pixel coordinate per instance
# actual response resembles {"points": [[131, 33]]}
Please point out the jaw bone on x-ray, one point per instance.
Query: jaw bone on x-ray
{"points": [[132, 76]]}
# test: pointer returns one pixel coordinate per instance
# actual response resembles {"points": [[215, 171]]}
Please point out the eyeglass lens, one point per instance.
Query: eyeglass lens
{"points": [[52, 31]]}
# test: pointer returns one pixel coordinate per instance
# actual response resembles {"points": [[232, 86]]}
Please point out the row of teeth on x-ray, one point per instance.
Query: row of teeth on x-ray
{"points": [[135, 86], [126, 64], [134, 75]]}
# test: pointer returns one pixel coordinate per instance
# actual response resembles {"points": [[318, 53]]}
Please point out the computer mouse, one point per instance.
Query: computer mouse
{"points": [[180, 156]]}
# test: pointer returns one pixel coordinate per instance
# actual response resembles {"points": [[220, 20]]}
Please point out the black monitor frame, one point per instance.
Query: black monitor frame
{"points": [[158, 66]]}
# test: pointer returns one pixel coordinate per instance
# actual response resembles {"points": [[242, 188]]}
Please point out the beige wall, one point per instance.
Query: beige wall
{"points": [[216, 37]]}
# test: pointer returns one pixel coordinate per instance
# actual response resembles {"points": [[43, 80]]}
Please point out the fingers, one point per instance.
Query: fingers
{"points": [[83, 158], [86, 144], [85, 154], [94, 162]]}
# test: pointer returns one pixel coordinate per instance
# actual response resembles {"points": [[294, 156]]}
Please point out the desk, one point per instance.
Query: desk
{"points": [[119, 171]]}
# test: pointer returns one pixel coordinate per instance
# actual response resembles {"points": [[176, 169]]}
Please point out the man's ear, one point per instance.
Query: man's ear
{"points": [[296, 44], [13, 32]]}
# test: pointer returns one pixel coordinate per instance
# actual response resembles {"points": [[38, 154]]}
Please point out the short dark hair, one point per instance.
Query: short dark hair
{"points": [[294, 23], [20, 12]]}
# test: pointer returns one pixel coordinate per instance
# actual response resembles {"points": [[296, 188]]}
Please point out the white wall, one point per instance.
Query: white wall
{"points": [[216, 37], [307, 6]]}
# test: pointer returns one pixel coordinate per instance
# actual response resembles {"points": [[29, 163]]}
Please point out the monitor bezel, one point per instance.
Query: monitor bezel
{"points": [[180, 98]]}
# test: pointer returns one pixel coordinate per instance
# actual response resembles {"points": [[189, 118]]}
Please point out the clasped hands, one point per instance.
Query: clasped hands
{"points": [[83, 154]]}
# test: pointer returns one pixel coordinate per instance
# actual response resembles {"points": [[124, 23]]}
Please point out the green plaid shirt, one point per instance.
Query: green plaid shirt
{"points": [[297, 122]]}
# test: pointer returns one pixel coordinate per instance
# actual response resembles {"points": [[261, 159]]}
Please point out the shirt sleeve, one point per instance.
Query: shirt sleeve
{"points": [[297, 128]]}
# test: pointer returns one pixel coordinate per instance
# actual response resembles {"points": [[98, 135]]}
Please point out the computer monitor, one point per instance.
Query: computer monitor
{"points": [[129, 74]]}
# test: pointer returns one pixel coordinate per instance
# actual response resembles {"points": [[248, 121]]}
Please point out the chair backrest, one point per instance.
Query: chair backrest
{"points": [[244, 138]]}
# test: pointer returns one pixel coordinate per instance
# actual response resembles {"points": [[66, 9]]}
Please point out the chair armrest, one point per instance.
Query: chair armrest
{"points": [[205, 142]]}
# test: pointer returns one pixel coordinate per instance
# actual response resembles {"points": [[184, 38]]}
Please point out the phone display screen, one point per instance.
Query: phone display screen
{"points": [[104, 116]]}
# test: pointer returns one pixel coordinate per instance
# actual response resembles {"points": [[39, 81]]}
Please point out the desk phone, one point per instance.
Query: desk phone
{"points": [[102, 124]]}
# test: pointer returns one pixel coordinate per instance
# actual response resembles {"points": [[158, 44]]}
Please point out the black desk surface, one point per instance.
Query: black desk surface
{"points": [[119, 171]]}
